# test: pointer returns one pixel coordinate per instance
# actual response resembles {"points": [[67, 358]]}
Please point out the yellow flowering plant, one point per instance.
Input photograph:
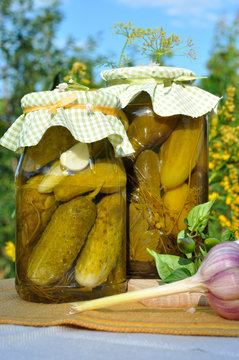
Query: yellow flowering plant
{"points": [[7, 259], [77, 76], [74, 78], [9, 250], [223, 167]]}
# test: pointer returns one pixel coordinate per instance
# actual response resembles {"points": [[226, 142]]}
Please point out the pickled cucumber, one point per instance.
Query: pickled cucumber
{"points": [[150, 130], [178, 202], [175, 199], [180, 152], [118, 274], [56, 140], [110, 176], [34, 210], [61, 241], [103, 246], [141, 235], [147, 171]]}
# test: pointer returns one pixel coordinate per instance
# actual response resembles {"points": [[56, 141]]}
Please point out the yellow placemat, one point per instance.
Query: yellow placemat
{"points": [[134, 317]]}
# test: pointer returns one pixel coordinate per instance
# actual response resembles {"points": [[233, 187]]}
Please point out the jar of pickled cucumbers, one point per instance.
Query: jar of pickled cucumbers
{"points": [[70, 196], [168, 172]]}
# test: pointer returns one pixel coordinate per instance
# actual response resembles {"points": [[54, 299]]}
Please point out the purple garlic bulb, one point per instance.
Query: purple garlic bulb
{"points": [[219, 272]]}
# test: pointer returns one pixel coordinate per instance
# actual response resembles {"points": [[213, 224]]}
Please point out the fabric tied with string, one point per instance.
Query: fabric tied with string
{"points": [[66, 103], [89, 115], [170, 89]]}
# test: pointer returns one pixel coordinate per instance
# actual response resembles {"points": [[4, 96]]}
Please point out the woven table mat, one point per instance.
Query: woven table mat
{"points": [[132, 318]]}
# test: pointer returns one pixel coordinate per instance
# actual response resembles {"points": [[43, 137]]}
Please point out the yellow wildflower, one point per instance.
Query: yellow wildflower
{"points": [[225, 157], [66, 78], [85, 81], [211, 165], [228, 200], [216, 156], [77, 66], [213, 195], [9, 250], [224, 221], [214, 121]]}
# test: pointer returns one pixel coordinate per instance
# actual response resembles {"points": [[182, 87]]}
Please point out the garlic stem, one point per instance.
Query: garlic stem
{"points": [[187, 285], [217, 277]]}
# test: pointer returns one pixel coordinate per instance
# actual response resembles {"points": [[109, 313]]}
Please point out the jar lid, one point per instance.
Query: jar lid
{"points": [[170, 89], [141, 72], [89, 116]]}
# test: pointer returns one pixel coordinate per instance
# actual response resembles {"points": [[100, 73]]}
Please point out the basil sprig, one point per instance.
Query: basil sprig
{"points": [[193, 243]]}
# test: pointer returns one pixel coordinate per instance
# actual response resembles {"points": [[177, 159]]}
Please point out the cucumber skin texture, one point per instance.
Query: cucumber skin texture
{"points": [[110, 177], [104, 243], [180, 152], [61, 241]]}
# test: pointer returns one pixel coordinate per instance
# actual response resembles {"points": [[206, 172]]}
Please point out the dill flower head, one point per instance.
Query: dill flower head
{"points": [[151, 42]]}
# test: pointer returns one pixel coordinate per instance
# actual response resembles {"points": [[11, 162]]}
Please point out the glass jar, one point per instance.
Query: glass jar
{"points": [[167, 177], [70, 224], [70, 197]]}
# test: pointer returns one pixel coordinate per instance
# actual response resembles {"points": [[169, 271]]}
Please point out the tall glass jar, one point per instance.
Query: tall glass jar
{"points": [[167, 177], [168, 172], [70, 201]]}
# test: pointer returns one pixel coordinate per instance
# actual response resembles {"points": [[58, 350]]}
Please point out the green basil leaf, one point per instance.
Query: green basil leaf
{"points": [[162, 267], [166, 264], [203, 252], [199, 263], [198, 217], [228, 235], [178, 274], [188, 264]]}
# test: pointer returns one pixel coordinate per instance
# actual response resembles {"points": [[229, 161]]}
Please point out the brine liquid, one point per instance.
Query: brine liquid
{"points": [[54, 226], [167, 177]]}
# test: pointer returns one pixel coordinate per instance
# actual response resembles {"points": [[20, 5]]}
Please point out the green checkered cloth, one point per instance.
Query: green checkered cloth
{"points": [[170, 89], [85, 125]]}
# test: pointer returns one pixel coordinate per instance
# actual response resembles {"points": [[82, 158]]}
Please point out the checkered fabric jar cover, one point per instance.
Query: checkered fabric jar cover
{"points": [[85, 124], [170, 89]]}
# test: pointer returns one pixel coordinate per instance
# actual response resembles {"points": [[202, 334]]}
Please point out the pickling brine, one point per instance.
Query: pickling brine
{"points": [[167, 177], [70, 223]]}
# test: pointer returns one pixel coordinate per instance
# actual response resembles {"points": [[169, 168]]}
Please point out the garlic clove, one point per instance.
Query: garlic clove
{"points": [[228, 309], [76, 158], [225, 285], [52, 178], [221, 257]]}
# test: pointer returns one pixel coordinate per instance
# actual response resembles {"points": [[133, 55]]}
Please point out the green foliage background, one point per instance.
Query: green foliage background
{"points": [[7, 205], [30, 61]]}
